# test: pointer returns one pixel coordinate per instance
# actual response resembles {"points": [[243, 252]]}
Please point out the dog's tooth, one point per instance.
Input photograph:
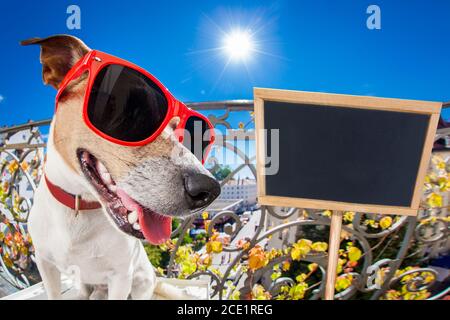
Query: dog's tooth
{"points": [[136, 226], [112, 187], [133, 217], [101, 168], [117, 205], [106, 177], [85, 156]]}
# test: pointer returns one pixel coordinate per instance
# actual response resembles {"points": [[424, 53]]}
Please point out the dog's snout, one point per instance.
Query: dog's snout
{"points": [[201, 190]]}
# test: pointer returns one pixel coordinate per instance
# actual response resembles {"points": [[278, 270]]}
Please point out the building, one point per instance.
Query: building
{"points": [[244, 189]]}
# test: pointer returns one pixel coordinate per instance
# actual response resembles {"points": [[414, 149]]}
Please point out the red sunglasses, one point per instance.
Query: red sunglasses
{"points": [[127, 105]]}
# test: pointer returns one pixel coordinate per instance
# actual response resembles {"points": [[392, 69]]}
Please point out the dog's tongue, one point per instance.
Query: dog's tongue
{"points": [[155, 227]]}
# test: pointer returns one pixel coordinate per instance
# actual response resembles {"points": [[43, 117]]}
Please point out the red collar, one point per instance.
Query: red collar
{"points": [[69, 200]]}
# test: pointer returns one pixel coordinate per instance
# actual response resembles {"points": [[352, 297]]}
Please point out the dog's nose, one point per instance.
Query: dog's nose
{"points": [[201, 190]]}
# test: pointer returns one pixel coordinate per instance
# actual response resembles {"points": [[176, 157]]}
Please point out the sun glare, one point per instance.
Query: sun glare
{"points": [[238, 45], [238, 48]]}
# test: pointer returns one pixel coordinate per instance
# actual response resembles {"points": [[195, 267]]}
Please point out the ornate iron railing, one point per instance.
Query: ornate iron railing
{"points": [[278, 253]]}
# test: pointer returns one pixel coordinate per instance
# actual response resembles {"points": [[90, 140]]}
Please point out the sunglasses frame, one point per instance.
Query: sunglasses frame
{"points": [[93, 62]]}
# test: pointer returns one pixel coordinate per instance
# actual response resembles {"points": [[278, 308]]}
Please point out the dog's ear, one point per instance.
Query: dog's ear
{"points": [[59, 53]]}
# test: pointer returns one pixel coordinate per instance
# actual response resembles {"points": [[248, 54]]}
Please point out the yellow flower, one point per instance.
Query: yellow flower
{"points": [[319, 246], [439, 162], [327, 213], [236, 295], [416, 295], [441, 165], [13, 166], [392, 295], [275, 275], [183, 253], [295, 254], [428, 277], [300, 249], [188, 267], [244, 244], [354, 254], [205, 215], [343, 282], [297, 292], [273, 253], [444, 184], [372, 223], [286, 265], [301, 277], [207, 260], [259, 293], [257, 258], [385, 222], [339, 267], [214, 246], [24, 165], [434, 200], [348, 216]]}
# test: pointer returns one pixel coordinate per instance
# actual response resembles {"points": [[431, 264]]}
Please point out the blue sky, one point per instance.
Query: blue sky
{"points": [[307, 45]]}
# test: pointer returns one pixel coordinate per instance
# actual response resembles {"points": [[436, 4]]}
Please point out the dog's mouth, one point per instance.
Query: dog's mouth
{"points": [[129, 216]]}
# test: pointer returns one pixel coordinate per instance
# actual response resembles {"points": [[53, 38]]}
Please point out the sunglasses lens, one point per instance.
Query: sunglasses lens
{"points": [[197, 136], [126, 105]]}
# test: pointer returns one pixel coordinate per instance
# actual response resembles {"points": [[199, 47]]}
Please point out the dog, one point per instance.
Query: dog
{"points": [[98, 199]]}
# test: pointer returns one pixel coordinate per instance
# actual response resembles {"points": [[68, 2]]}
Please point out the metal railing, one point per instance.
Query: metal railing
{"points": [[272, 253]]}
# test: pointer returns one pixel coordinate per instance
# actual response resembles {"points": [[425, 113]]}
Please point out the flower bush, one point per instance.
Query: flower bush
{"points": [[16, 248]]}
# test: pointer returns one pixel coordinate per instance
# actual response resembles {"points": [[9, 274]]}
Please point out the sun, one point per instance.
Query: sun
{"points": [[238, 45]]}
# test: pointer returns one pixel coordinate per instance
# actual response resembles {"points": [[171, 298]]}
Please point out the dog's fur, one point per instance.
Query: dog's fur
{"points": [[90, 241]]}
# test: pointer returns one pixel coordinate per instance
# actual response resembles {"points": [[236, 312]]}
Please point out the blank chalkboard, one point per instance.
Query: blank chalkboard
{"points": [[345, 152]]}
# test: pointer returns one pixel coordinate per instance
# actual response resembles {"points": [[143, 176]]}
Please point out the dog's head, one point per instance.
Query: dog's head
{"points": [[141, 187]]}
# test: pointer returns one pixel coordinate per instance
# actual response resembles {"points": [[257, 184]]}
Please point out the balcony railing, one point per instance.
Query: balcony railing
{"points": [[270, 252]]}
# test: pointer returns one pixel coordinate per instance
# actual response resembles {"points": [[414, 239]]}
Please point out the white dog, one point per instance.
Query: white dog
{"points": [[98, 198]]}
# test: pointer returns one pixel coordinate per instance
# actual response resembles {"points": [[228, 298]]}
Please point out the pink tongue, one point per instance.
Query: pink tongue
{"points": [[155, 227]]}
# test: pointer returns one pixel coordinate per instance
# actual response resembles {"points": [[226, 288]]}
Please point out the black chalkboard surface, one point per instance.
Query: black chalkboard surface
{"points": [[343, 154]]}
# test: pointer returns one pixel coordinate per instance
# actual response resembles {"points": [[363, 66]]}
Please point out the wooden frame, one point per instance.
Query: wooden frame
{"points": [[362, 102]]}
